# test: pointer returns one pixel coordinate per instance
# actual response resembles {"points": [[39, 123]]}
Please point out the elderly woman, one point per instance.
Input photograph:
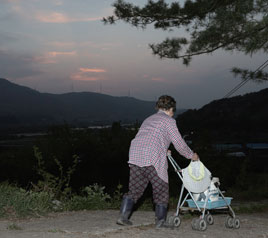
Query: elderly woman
{"points": [[148, 160]]}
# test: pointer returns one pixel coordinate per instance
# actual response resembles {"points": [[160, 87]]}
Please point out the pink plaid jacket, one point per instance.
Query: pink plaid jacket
{"points": [[151, 143]]}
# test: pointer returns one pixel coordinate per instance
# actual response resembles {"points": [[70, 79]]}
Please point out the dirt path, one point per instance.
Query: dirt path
{"points": [[99, 224]]}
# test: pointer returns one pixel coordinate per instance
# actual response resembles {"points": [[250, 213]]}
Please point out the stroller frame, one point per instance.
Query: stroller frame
{"points": [[203, 207]]}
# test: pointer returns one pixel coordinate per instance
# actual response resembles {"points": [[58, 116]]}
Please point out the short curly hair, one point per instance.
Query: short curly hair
{"points": [[166, 102]]}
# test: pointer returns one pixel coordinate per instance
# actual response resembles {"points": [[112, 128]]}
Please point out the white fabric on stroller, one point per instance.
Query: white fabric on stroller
{"points": [[196, 177]]}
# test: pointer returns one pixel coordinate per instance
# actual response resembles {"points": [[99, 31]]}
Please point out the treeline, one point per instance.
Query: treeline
{"points": [[237, 119], [102, 155]]}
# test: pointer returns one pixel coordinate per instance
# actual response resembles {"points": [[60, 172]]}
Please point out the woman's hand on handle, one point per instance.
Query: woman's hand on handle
{"points": [[195, 157]]}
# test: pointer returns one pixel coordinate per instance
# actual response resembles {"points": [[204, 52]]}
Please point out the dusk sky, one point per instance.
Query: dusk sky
{"points": [[60, 46]]}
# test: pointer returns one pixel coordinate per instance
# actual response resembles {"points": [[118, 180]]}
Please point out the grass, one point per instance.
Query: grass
{"points": [[252, 207], [16, 202]]}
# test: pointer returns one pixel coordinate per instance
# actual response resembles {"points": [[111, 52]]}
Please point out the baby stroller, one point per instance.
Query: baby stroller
{"points": [[210, 198]]}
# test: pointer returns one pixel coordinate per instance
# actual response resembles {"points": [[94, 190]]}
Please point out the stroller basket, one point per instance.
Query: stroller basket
{"points": [[210, 204]]}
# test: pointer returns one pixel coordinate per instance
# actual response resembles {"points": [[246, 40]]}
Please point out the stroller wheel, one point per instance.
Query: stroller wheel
{"points": [[202, 225], [209, 219], [175, 221], [236, 223], [170, 220], [229, 222], [195, 223], [199, 224]]}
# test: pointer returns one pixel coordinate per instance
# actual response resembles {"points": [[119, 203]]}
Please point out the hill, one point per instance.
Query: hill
{"points": [[20, 105], [241, 118]]}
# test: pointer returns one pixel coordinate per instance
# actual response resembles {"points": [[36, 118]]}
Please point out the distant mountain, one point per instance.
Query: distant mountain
{"points": [[23, 106], [240, 117]]}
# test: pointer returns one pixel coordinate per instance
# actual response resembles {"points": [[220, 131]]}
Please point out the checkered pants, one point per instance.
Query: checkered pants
{"points": [[139, 179]]}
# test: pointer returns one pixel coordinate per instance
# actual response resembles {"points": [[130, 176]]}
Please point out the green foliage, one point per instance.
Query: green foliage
{"points": [[251, 207], [117, 197], [93, 197], [17, 202], [257, 76], [59, 185]]}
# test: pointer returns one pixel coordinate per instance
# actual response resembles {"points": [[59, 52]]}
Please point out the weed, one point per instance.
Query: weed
{"points": [[58, 186], [117, 197], [93, 197], [17, 202]]}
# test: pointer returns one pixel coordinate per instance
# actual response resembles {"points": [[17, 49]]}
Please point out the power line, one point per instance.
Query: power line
{"points": [[265, 64], [244, 82]]}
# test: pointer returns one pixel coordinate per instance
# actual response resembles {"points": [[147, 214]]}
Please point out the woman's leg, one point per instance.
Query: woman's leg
{"points": [[160, 197], [138, 181], [160, 187]]}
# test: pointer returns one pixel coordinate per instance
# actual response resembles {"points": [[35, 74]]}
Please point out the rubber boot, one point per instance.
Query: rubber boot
{"points": [[125, 211], [161, 213]]}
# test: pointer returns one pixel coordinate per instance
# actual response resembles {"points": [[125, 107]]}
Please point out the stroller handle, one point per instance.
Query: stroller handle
{"points": [[173, 162]]}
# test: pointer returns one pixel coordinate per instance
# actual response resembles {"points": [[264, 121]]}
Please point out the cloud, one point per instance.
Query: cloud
{"points": [[50, 57], [60, 53], [57, 17], [81, 77], [29, 10], [7, 38], [14, 65], [94, 70], [158, 79], [87, 74], [62, 44]]}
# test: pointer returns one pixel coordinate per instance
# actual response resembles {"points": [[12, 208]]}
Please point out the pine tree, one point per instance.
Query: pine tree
{"points": [[240, 25]]}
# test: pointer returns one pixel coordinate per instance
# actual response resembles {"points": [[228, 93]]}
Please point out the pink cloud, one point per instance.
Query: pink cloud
{"points": [[85, 74], [57, 17], [50, 57], [45, 60], [82, 77], [94, 70], [60, 53], [148, 77]]}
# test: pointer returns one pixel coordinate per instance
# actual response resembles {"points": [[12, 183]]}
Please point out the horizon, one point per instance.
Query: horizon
{"points": [[153, 101]]}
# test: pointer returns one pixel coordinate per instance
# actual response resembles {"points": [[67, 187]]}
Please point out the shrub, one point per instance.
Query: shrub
{"points": [[17, 202], [57, 186], [93, 197]]}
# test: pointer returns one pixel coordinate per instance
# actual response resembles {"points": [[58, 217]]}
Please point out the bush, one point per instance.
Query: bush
{"points": [[17, 202], [57, 186], [93, 197]]}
